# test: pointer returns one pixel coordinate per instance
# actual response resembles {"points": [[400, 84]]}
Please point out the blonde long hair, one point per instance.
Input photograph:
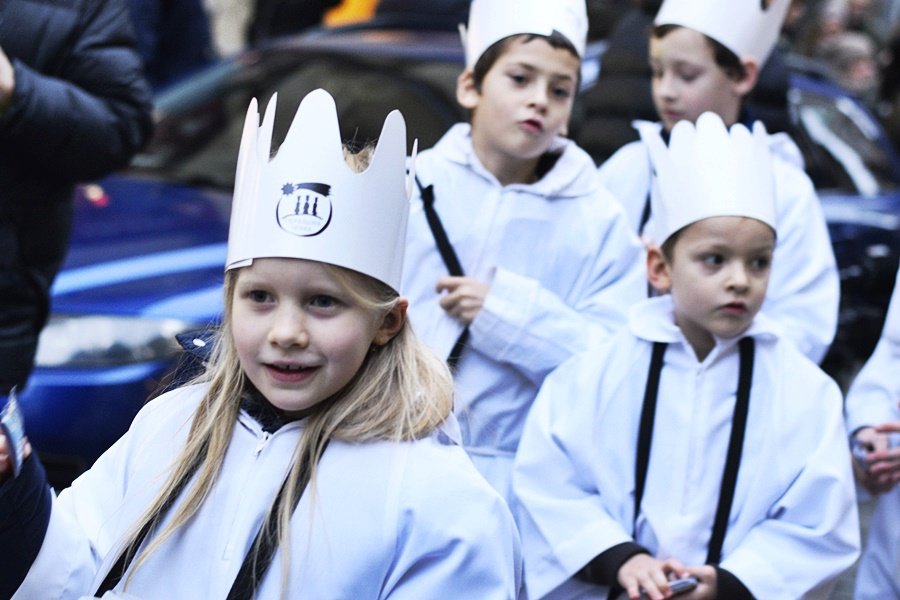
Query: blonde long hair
{"points": [[401, 392]]}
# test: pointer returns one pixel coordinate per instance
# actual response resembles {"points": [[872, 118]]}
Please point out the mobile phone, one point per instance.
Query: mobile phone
{"points": [[678, 586], [13, 427], [682, 586]]}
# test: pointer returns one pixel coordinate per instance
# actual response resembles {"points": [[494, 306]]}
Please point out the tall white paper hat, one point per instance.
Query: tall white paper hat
{"points": [[749, 28], [307, 203], [709, 171], [493, 20]]}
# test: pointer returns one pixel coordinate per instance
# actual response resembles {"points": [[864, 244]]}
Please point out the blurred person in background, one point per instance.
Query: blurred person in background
{"points": [[173, 38], [852, 59], [74, 106]]}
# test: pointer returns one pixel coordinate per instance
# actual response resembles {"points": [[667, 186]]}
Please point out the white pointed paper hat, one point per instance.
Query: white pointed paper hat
{"points": [[708, 171], [749, 28], [493, 20], [307, 203]]}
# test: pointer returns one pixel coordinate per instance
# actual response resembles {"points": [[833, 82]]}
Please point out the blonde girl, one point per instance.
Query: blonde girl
{"points": [[315, 438]]}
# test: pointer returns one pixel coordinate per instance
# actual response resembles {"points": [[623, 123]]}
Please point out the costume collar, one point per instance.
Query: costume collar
{"points": [[653, 320], [573, 175]]}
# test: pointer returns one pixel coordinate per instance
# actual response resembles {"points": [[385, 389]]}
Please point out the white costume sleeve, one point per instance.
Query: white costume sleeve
{"points": [[813, 528], [85, 523], [875, 391], [804, 291], [462, 542], [562, 518], [535, 330]]}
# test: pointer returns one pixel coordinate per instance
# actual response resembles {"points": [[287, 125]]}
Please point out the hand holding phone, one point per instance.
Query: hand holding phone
{"points": [[679, 586]]}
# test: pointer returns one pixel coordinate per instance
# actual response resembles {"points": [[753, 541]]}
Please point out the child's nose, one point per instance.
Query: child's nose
{"points": [[289, 329], [739, 278]]}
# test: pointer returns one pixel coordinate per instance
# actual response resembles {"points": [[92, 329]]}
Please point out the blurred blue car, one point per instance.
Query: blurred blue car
{"points": [[148, 246]]}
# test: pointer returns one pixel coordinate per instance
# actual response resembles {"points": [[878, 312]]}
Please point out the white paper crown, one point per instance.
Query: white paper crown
{"points": [[493, 20], [749, 28], [307, 203], [708, 171]]}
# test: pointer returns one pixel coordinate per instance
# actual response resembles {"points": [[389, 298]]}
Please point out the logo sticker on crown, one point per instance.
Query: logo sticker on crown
{"points": [[304, 208]]}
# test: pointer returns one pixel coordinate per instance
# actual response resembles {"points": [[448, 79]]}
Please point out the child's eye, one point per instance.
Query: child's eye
{"points": [[324, 301], [561, 92], [760, 264], [518, 78], [259, 296], [712, 260]]}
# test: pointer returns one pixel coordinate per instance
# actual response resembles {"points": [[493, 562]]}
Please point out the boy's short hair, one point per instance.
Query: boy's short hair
{"points": [[727, 60], [496, 50], [668, 246]]}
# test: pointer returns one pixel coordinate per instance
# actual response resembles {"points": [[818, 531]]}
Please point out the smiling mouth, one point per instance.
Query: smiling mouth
{"points": [[290, 373]]}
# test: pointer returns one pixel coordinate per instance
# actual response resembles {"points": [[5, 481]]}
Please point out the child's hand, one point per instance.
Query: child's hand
{"points": [[464, 298], [6, 466], [643, 572], [884, 462], [708, 586]]}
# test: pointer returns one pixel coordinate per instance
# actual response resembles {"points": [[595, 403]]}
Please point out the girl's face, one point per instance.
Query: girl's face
{"points": [[299, 337], [525, 101], [687, 82]]}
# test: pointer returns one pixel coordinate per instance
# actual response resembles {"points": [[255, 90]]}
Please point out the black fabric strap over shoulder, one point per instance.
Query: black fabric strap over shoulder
{"points": [[735, 444], [257, 562], [735, 447], [448, 255], [645, 433]]}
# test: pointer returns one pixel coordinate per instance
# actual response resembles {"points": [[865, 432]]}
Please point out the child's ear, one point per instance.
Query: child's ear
{"points": [[658, 269], [745, 85], [467, 93], [392, 323]]}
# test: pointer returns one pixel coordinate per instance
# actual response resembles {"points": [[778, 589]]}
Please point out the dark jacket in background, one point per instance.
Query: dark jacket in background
{"points": [[81, 109]]}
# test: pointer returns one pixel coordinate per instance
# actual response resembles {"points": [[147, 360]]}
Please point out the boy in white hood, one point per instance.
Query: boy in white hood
{"points": [[516, 256]]}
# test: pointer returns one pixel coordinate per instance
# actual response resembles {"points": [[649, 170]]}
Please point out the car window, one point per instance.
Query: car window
{"points": [[841, 143], [200, 124]]}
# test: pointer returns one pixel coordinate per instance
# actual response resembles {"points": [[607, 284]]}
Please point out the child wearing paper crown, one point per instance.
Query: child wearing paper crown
{"points": [[873, 421], [309, 461], [705, 55], [516, 257], [640, 461]]}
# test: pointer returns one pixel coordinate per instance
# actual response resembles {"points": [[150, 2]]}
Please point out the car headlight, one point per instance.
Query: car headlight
{"points": [[107, 341]]}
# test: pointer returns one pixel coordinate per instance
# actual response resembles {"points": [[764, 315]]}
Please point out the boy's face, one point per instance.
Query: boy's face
{"points": [[717, 275], [687, 82], [525, 101]]}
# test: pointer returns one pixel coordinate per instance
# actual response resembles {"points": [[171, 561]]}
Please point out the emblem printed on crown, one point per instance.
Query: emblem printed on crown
{"points": [[304, 209]]}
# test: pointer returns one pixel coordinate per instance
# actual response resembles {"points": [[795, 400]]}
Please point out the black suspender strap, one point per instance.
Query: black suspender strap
{"points": [[735, 446], [257, 562], [735, 443], [645, 215], [448, 255], [645, 433]]}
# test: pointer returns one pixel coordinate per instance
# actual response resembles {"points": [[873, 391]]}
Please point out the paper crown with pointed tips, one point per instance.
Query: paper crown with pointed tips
{"points": [[306, 202], [708, 171], [749, 28], [493, 20]]}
